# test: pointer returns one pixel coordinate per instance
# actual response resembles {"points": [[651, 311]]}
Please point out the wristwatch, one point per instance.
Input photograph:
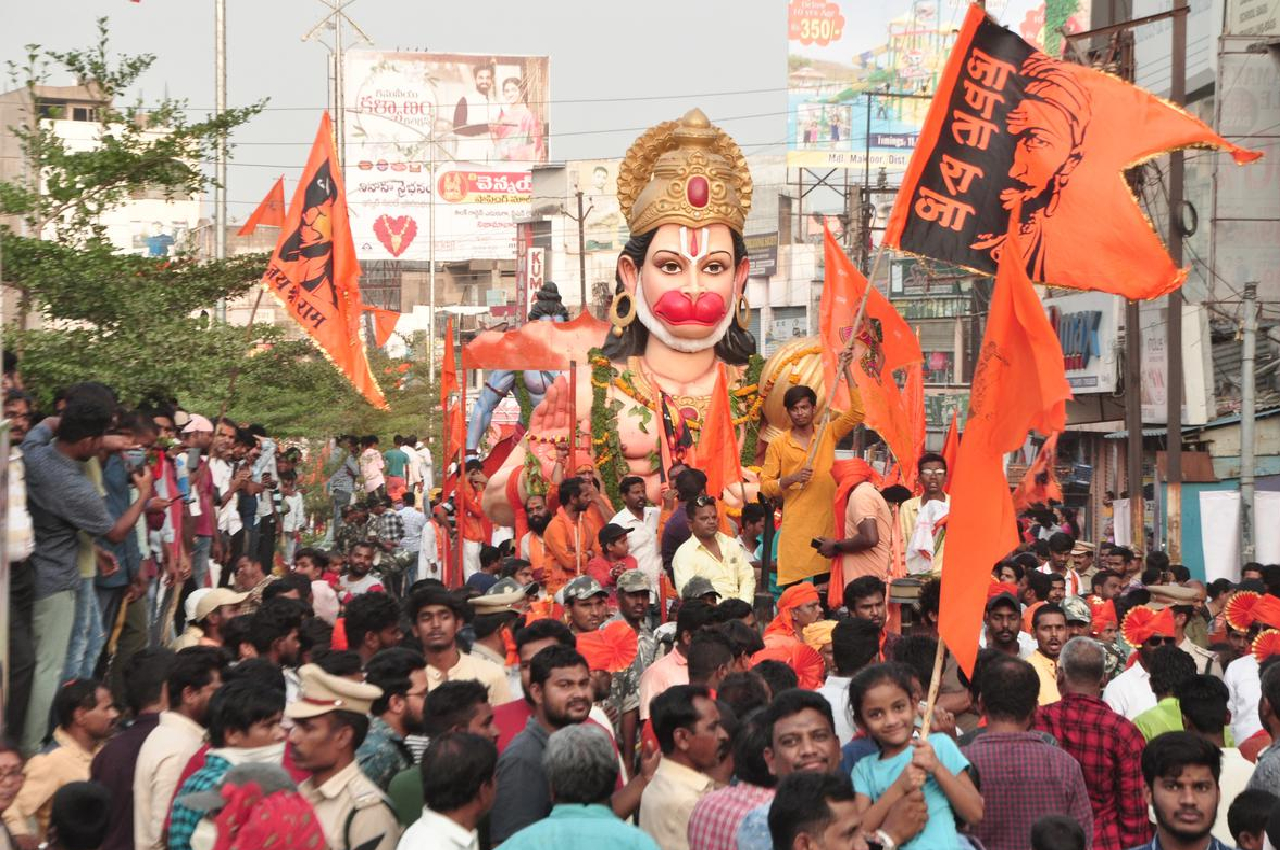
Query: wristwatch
{"points": [[885, 840]]}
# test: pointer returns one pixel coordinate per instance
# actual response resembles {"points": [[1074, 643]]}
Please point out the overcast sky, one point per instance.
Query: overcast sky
{"points": [[616, 68]]}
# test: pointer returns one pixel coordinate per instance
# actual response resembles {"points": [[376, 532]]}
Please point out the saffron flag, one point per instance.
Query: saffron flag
{"points": [[717, 454], [448, 367], [1019, 385], [384, 324], [269, 212], [1039, 486], [887, 344], [1010, 127], [314, 272], [951, 448]]}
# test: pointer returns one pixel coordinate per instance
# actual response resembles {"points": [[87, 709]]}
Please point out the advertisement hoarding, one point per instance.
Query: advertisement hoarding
{"points": [[1087, 325], [854, 64], [464, 129]]}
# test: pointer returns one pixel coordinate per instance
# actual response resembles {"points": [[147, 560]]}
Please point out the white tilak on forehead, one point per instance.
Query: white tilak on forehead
{"points": [[694, 243]]}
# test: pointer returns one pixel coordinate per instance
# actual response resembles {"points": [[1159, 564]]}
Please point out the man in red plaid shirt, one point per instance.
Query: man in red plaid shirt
{"points": [[1024, 777], [1107, 746]]}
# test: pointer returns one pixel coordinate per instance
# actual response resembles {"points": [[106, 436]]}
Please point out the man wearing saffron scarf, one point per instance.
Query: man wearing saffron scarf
{"points": [[798, 606], [865, 523]]}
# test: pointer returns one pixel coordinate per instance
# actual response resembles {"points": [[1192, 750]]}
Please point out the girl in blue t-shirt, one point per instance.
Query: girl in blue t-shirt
{"points": [[882, 702]]}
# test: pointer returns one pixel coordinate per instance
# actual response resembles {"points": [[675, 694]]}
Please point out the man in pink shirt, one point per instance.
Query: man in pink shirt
{"points": [[673, 668]]}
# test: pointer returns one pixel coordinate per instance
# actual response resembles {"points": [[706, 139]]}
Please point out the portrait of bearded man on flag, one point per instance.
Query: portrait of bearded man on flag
{"points": [[1049, 127]]}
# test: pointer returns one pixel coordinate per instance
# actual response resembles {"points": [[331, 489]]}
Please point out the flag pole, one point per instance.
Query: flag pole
{"points": [[934, 681], [846, 374]]}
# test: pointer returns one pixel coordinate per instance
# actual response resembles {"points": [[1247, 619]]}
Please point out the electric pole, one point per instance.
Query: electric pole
{"points": [[220, 171], [1173, 315], [581, 219], [1247, 378]]}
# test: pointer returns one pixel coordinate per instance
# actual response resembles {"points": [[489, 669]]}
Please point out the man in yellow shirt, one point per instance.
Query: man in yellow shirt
{"points": [[1049, 626], [713, 555], [807, 489], [86, 718]]}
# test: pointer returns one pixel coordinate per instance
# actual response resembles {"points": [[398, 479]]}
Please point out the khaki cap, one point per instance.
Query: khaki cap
{"points": [[215, 599], [323, 693]]}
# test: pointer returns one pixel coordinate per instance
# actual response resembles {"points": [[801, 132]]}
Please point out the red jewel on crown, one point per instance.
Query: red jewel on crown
{"points": [[698, 191]]}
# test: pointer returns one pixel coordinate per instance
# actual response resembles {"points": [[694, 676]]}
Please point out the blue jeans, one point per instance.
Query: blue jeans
{"points": [[200, 559], [87, 637]]}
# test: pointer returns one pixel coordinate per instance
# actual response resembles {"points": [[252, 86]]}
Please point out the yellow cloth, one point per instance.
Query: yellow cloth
{"points": [[806, 510], [732, 577], [1047, 669], [908, 513], [817, 635], [45, 774]]}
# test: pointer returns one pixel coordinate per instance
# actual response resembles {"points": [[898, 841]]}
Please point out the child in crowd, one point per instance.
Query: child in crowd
{"points": [[880, 698]]}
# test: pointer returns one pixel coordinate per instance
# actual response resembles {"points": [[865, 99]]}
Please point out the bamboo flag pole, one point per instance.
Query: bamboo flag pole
{"points": [[934, 682], [846, 374]]}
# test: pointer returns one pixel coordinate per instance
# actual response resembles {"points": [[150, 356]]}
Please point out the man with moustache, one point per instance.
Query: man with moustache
{"points": [[330, 723], [801, 735], [560, 690], [1003, 627], [686, 722]]}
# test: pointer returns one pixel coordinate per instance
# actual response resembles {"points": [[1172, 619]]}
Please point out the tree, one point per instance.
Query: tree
{"points": [[134, 322]]}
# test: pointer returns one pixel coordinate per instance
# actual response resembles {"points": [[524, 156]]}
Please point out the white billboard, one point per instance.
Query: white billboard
{"points": [[461, 130]]}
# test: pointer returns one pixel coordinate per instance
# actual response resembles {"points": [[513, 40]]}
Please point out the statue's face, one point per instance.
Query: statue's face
{"points": [[687, 287]]}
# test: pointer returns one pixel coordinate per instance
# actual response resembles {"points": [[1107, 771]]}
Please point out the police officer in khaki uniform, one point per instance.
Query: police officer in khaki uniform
{"points": [[331, 719]]}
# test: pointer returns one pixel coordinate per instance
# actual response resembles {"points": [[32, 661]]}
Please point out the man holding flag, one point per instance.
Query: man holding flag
{"points": [[797, 468]]}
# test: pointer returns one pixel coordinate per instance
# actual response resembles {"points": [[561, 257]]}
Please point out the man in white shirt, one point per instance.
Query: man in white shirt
{"points": [[1130, 694], [414, 520], [640, 519], [855, 643], [423, 467], [458, 789], [195, 675], [1203, 701], [1244, 687]]}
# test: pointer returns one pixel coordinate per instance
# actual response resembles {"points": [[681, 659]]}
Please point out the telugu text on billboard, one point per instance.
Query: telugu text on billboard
{"points": [[860, 73], [466, 129]]}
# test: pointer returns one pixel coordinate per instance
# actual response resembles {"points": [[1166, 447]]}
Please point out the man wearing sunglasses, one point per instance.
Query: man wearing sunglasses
{"points": [[713, 555], [1145, 627]]}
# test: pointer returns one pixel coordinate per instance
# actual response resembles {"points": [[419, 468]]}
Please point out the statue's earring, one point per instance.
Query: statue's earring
{"points": [[742, 315], [622, 312]]}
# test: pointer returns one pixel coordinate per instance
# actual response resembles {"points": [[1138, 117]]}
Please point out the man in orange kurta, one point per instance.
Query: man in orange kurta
{"points": [[571, 536], [807, 491]]}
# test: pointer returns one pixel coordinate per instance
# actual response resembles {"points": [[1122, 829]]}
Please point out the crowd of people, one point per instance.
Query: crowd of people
{"points": [[188, 671]]}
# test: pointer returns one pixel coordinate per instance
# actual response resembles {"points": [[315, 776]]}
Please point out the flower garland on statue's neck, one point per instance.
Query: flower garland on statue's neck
{"points": [[745, 402]]}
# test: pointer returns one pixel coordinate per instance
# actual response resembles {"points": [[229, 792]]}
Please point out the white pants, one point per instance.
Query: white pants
{"points": [[470, 558]]}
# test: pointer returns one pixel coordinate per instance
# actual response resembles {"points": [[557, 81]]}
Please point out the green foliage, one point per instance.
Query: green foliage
{"points": [[137, 150], [143, 324]]}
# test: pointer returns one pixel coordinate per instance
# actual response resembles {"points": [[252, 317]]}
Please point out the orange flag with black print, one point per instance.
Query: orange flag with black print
{"points": [[314, 272], [1039, 486], [270, 212], [886, 344], [1010, 127], [1019, 385]]}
